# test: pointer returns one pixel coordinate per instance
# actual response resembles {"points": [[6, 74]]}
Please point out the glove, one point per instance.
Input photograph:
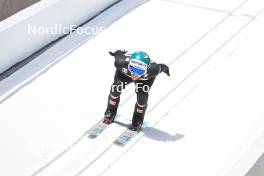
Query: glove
{"points": [[118, 53], [165, 69]]}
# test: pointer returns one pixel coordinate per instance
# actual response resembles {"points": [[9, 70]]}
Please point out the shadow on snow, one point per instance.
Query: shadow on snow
{"points": [[159, 135]]}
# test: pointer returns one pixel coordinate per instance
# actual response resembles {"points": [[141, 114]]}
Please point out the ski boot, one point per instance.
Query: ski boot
{"points": [[109, 116], [138, 117], [111, 110]]}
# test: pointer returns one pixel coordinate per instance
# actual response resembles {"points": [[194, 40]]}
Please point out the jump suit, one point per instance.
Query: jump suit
{"points": [[142, 85]]}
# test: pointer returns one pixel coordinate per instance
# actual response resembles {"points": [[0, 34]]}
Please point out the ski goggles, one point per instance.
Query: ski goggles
{"points": [[137, 70], [137, 67]]}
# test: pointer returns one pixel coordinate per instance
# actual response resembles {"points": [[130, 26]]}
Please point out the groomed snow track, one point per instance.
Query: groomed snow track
{"points": [[205, 119]]}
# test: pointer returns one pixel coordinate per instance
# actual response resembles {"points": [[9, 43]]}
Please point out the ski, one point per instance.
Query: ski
{"points": [[126, 136], [97, 129]]}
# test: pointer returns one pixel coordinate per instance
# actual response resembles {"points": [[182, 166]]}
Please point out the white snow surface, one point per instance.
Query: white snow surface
{"points": [[205, 119]]}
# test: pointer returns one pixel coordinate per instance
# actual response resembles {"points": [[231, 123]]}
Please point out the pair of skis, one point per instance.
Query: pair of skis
{"points": [[121, 140]]}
